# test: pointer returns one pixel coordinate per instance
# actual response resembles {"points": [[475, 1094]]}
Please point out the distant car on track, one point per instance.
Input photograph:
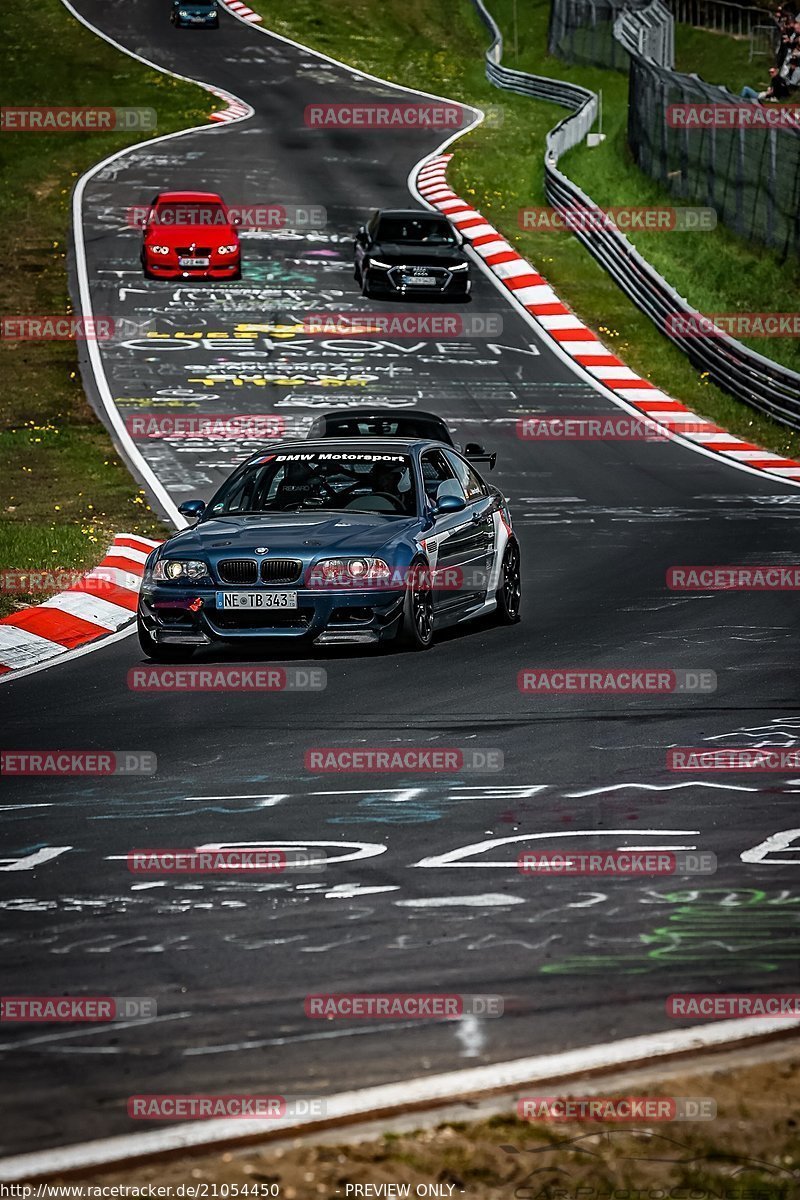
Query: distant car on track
{"points": [[410, 252], [384, 422], [190, 235], [359, 540], [196, 14]]}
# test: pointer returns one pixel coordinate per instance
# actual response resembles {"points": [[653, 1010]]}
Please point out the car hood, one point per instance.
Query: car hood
{"points": [[302, 535], [419, 253]]}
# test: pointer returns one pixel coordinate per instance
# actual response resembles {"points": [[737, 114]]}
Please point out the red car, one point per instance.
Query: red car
{"points": [[190, 235]]}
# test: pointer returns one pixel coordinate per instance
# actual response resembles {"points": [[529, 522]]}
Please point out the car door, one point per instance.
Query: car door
{"points": [[482, 508], [454, 543]]}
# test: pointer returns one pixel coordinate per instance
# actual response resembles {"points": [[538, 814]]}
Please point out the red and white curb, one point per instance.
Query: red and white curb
{"points": [[241, 10], [236, 110], [102, 602], [536, 296]]}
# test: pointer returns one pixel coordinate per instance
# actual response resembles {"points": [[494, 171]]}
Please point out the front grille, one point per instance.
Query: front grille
{"points": [[440, 274], [194, 252], [280, 570], [272, 618], [238, 570]]}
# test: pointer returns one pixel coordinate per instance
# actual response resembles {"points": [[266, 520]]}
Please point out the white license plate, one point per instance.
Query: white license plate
{"points": [[193, 262], [248, 600], [420, 280]]}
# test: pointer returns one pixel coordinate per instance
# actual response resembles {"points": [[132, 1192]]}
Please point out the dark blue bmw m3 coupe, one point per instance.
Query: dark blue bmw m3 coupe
{"points": [[359, 540]]}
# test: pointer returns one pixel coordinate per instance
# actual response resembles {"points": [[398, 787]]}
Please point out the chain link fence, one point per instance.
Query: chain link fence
{"points": [[588, 32], [582, 31], [750, 175]]}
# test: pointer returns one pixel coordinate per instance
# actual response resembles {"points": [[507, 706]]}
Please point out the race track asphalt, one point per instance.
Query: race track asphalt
{"points": [[229, 961]]}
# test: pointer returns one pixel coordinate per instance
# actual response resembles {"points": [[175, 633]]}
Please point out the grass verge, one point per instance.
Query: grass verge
{"points": [[500, 170], [749, 1152], [63, 490]]}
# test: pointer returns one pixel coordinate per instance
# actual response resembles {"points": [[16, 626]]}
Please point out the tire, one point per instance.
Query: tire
{"points": [[416, 625], [165, 654], [509, 593]]}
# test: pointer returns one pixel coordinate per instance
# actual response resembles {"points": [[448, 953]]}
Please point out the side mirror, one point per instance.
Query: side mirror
{"points": [[449, 504], [474, 448], [235, 220], [193, 509]]}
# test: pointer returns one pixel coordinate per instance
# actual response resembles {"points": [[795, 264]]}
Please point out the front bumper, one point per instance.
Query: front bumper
{"points": [[188, 23], [390, 283], [173, 617], [160, 269]]}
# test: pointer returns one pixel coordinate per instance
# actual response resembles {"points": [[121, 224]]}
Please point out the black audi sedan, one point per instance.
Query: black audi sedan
{"points": [[404, 252]]}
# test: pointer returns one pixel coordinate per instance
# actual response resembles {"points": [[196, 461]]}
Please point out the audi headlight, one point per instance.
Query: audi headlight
{"points": [[459, 267], [180, 568], [158, 249], [350, 572], [227, 249], [376, 262]]}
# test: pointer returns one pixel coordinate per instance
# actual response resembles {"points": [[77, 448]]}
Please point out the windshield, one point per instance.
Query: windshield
{"points": [[189, 212], [308, 482], [383, 426], [425, 230]]}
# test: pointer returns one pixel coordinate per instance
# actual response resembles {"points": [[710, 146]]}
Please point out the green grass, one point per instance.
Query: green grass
{"points": [[63, 490], [440, 49], [720, 59]]}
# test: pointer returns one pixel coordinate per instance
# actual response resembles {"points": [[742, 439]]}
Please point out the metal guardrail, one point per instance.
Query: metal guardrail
{"points": [[648, 31], [738, 370]]}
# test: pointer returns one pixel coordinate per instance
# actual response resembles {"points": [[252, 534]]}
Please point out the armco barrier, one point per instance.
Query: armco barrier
{"points": [[740, 371]]}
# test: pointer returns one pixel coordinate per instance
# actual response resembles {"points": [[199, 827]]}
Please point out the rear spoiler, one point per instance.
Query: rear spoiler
{"points": [[491, 459]]}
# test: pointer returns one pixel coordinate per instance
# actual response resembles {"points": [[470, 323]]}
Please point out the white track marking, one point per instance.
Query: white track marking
{"points": [[360, 849], [658, 787], [29, 861], [487, 900], [431, 1091], [451, 857], [777, 841]]}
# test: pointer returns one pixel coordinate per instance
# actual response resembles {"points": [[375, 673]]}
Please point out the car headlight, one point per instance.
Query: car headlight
{"points": [[376, 262], [180, 568], [350, 572], [158, 249], [459, 267], [227, 249], [183, 13]]}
